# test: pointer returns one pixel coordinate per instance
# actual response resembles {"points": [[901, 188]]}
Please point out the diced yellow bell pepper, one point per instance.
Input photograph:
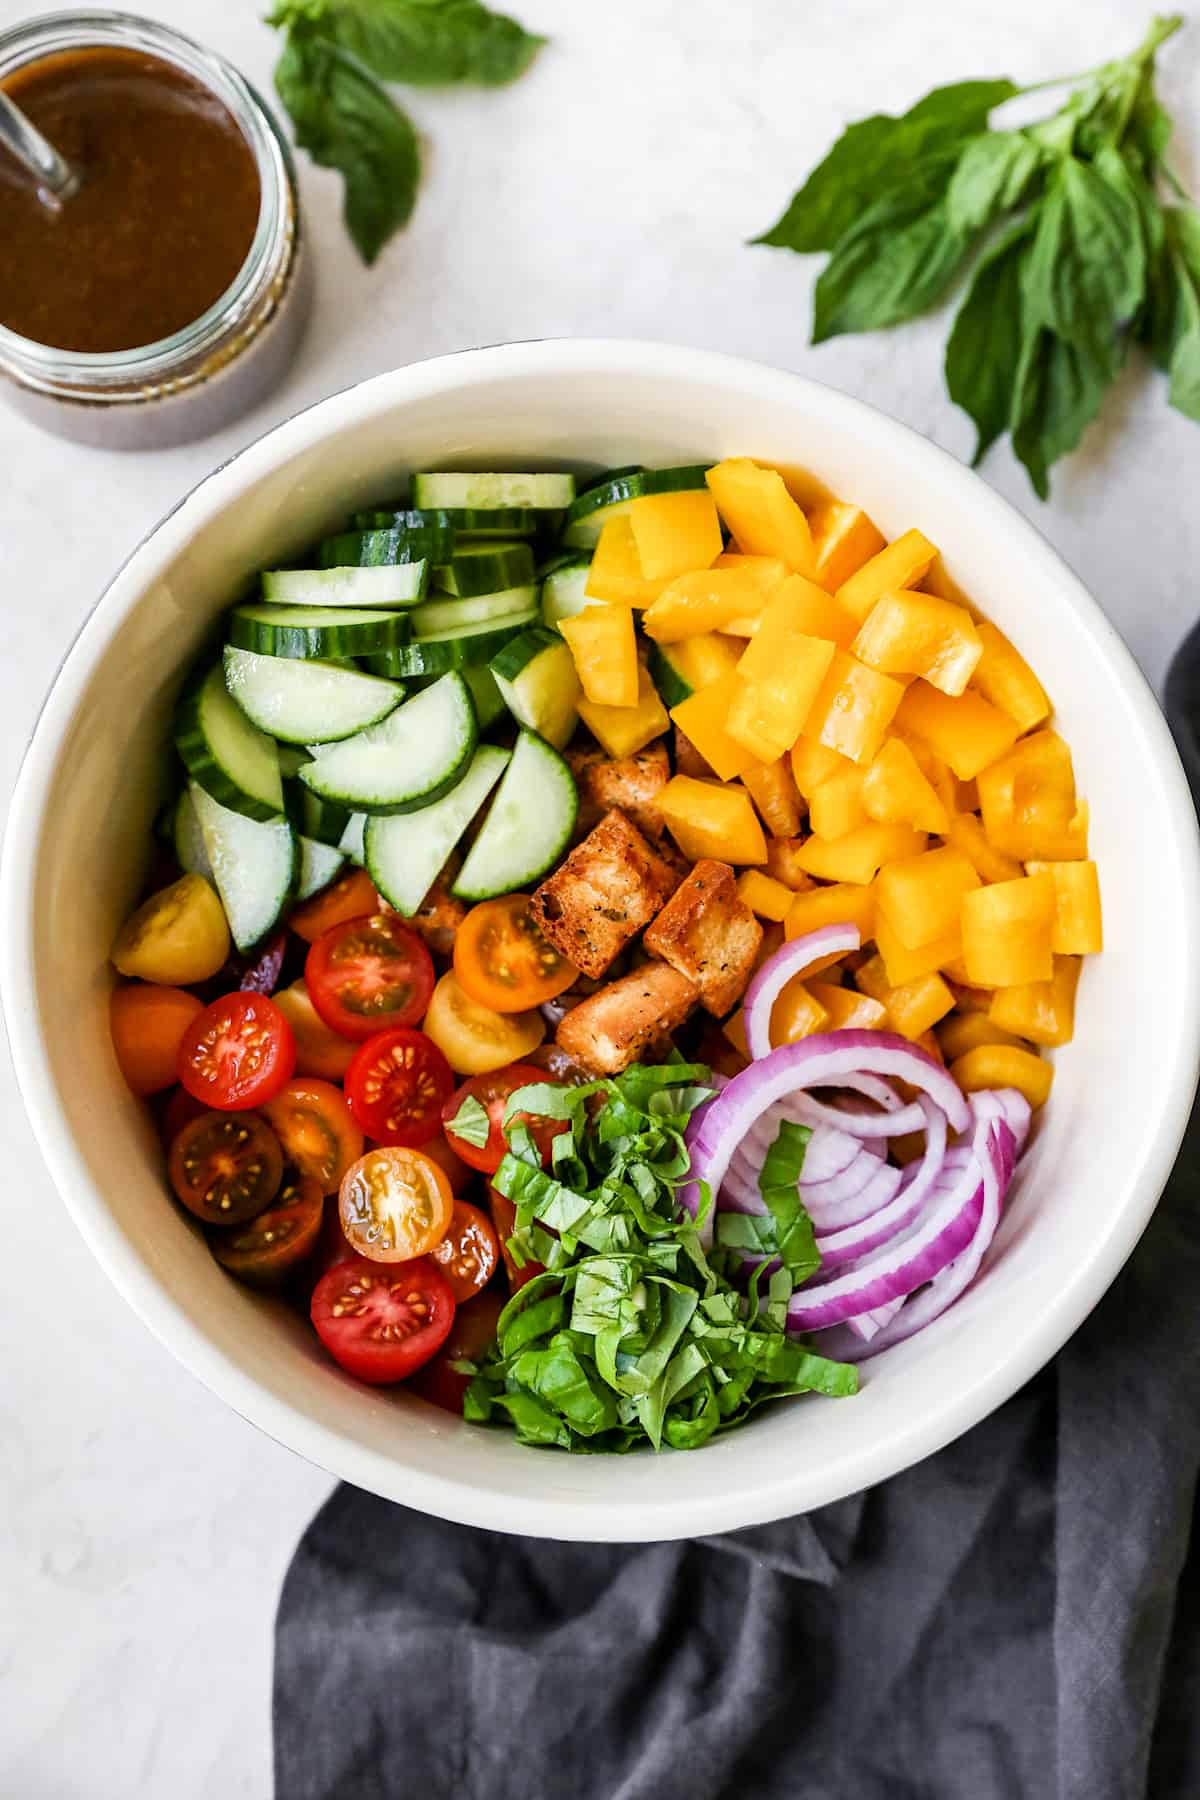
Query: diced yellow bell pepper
{"points": [[675, 533], [1042, 1011], [837, 806], [1028, 798], [604, 647], [848, 1011], [768, 708], [966, 1031], [624, 729], [904, 965], [769, 898], [914, 1008], [812, 765], [966, 833], [910, 633], [804, 607], [966, 731], [1004, 677], [616, 572], [735, 1030], [708, 819], [938, 580], [966, 796], [858, 856], [782, 632], [899, 565], [840, 904], [701, 601], [921, 896], [1078, 925], [767, 571], [1001, 1066], [761, 514], [783, 862], [853, 709], [1006, 932], [843, 539], [705, 658], [796, 1014], [895, 792], [702, 717], [772, 788]]}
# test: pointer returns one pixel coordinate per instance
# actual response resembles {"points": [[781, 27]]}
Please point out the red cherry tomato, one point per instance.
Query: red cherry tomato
{"points": [[469, 1253], [382, 1321], [397, 1086], [238, 1054], [180, 1109], [474, 1329], [492, 1092], [226, 1167], [366, 975], [265, 1250]]}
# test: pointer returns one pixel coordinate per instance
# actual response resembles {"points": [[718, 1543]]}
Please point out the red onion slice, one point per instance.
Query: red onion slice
{"points": [[868, 1325], [789, 960], [870, 1233]]}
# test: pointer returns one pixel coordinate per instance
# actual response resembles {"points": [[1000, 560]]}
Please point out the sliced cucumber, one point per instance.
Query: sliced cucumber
{"points": [[455, 492], [528, 826], [405, 854], [486, 568], [351, 844], [465, 648], [588, 515], [563, 591], [345, 585], [535, 672], [668, 677], [319, 865], [314, 631], [307, 701], [228, 756], [322, 820], [253, 863], [437, 616], [485, 695], [418, 754], [393, 547], [417, 527], [291, 760], [188, 839]]}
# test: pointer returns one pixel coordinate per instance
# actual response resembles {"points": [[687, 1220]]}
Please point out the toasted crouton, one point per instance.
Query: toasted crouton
{"points": [[632, 784], [688, 760], [439, 915], [708, 933], [628, 1017], [607, 889]]}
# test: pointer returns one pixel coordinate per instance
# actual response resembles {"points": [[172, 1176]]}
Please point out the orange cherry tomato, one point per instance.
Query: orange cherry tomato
{"points": [[148, 1024], [469, 1252], [395, 1204], [503, 961], [317, 1131], [319, 1051], [350, 898]]}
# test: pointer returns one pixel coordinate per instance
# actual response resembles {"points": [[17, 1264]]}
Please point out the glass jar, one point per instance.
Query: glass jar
{"points": [[223, 363]]}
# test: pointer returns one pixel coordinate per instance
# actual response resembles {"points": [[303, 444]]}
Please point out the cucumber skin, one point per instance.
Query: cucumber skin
{"points": [[414, 802], [317, 642], [192, 746], [313, 817], [632, 484], [509, 661], [437, 656], [673, 690], [467, 577], [387, 548], [462, 891]]}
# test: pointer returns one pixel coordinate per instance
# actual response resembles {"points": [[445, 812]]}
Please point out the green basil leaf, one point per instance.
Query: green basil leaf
{"points": [[471, 1123], [877, 154], [1085, 275], [990, 177], [1183, 231], [561, 1380], [347, 122], [1059, 391], [424, 43], [897, 261], [983, 352]]}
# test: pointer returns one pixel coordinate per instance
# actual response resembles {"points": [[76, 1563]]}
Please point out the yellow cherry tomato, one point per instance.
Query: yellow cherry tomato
{"points": [[473, 1039], [395, 1204], [176, 937]]}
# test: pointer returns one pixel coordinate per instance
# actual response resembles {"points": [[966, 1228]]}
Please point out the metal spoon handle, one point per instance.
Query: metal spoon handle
{"points": [[22, 137]]}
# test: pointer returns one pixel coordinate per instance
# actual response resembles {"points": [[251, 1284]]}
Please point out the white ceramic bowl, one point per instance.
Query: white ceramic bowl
{"points": [[77, 841]]}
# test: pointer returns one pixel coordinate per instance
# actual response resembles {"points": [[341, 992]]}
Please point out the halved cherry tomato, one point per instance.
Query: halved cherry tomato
{"points": [[181, 1108], [177, 936], [450, 1162], [148, 1025], [469, 1253], [502, 959], [238, 1053], [366, 975], [475, 1038], [397, 1085], [395, 1204], [226, 1167], [474, 1329], [382, 1322], [492, 1093], [263, 1251], [352, 897], [504, 1218], [317, 1131], [319, 1051]]}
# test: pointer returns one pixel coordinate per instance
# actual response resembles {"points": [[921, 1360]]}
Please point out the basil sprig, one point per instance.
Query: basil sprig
{"points": [[336, 58], [1081, 243]]}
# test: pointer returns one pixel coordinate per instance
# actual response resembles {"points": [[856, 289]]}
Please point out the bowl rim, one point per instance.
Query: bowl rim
{"points": [[687, 1512]]}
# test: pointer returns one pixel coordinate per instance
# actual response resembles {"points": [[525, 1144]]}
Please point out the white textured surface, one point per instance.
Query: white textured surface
{"points": [[144, 1529]]}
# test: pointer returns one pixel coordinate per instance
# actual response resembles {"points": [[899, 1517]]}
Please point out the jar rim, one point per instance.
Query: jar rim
{"points": [[52, 33]]}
